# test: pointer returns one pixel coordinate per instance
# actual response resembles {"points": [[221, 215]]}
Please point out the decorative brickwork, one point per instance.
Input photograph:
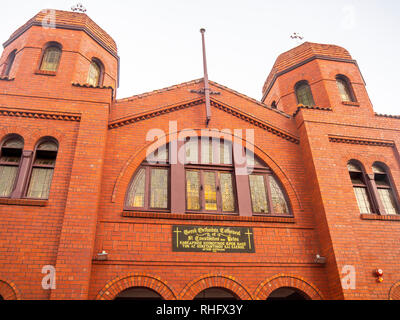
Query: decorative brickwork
{"points": [[9, 291], [283, 280], [394, 293]]}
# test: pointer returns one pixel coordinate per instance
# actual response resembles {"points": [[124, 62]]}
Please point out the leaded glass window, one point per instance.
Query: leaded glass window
{"points": [[42, 170], [51, 59], [10, 159], [345, 91], [94, 75], [385, 190], [360, 188], [304, 94]]}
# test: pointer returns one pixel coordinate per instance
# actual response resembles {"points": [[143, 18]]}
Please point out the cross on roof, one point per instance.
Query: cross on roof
{"points": [[78, 8]]}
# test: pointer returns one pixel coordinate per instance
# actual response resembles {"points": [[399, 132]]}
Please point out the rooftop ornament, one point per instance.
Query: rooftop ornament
{"points": [[78, 8]]}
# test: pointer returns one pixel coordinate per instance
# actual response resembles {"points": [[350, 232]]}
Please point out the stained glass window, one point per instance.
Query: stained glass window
{"points": [[159, 188], [227, 192], [193, 190], [137, 190], [258, 193], [51, 59], [210, 191], [344, 88], [278, 199], [304, 94]]}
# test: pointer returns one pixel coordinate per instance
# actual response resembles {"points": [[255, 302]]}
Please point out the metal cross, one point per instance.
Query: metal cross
{"points": [[78, 8], [249, 234], [296, 36], [177, 236]]}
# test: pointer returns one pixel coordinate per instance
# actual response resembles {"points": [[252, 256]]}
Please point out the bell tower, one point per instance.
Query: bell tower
{"points": [[57, 51], [316, 75]]}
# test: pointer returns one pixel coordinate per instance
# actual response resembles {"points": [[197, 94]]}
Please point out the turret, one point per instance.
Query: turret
{"points": [[316, 75]]}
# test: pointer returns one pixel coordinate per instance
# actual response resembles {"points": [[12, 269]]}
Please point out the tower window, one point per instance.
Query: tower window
{"points": [[358, 178], [95, 73], [345, 90], [304, 94], [42, 170], [273, 105], [51, 58], [385, 191], [9, 63], [10, 159]]}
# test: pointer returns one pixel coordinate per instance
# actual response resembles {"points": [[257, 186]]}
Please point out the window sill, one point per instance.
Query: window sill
{"points": [[378, 217], [24, 202], [207, 217], [351, 103], [46, 73]]}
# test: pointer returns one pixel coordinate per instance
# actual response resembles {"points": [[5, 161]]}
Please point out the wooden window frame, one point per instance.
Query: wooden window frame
{"points": [[33, 165], [45, 48], [346, 80]]}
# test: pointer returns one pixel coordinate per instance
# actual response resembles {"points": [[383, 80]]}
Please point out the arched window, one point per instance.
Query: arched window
{"points": [[10, 159], [95, 73], [304, 94], [273, 105], [385, 191], [42, 170], [139, 294], [359, 180], [51, 58], [207, 182], [345, 90], [9, 63], [149, 189]]}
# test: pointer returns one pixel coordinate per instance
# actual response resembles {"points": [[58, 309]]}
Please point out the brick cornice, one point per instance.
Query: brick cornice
{"points": [[152, 114], [23, 113], [254, 121], [361, 141], [300, 106]]}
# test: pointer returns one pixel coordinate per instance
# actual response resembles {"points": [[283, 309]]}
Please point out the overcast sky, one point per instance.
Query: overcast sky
{"points": [[159, 41]]}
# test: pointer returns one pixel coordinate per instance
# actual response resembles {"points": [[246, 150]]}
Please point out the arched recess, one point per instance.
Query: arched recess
{"points": [[9, 291], [394, 293], [282, 280], [111, 290], [192, 289], [125, 176]]}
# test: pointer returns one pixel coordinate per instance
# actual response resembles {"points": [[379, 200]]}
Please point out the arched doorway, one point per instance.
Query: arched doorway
{"points": [[287, 293], [138, 293], [216, 294]]}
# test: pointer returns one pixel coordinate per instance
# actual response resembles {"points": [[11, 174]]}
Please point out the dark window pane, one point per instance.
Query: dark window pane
{"points": [[258, 194], [304, 95], [8, 175], [137, 190], [278, 199], [39, 186], [159, 188], [193, 190], [210, 191], [14, 143], [227, 196], [48, 146]]}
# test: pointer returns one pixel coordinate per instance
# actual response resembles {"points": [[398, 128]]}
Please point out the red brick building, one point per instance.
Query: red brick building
{"points": [[77, 193]]}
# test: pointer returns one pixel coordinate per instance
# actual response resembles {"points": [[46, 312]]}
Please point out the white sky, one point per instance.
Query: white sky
{"points": [[160, 44]]}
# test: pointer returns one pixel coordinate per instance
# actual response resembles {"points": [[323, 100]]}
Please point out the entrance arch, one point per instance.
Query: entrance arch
{"points": [[216, 293], [288, 293], [139, 294]]}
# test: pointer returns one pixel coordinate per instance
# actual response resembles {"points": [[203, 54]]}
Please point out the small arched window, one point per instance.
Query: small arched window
{"points": [[360, 187], [95, 73], [345, 90], [273, 105], [385, 191], [9, 63], [42, 170], [304, 94], [51, 58], [10, 159]]}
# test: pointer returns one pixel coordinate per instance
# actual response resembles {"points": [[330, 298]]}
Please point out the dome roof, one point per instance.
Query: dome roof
{"points": [[72, 20], [303, 52]]}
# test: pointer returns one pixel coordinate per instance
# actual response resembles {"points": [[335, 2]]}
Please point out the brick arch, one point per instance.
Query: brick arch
{"points": [[9, 291], [394, 293], [126, 174], [24, 133], [114, 287], [284, 280], [39, 134], [196, 286]]}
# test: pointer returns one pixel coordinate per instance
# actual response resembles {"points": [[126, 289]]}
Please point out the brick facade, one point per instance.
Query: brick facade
{"points": [[102, 142]]}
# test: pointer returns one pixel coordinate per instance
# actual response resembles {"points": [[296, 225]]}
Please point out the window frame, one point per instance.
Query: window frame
{"points": [[391, 186], [348, 87], [44, 50], [9, 63], [297, 86], [9, 164], [100, 65]]}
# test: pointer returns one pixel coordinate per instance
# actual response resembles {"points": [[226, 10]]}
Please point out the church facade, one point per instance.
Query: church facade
{"points": [[191, 192]]}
